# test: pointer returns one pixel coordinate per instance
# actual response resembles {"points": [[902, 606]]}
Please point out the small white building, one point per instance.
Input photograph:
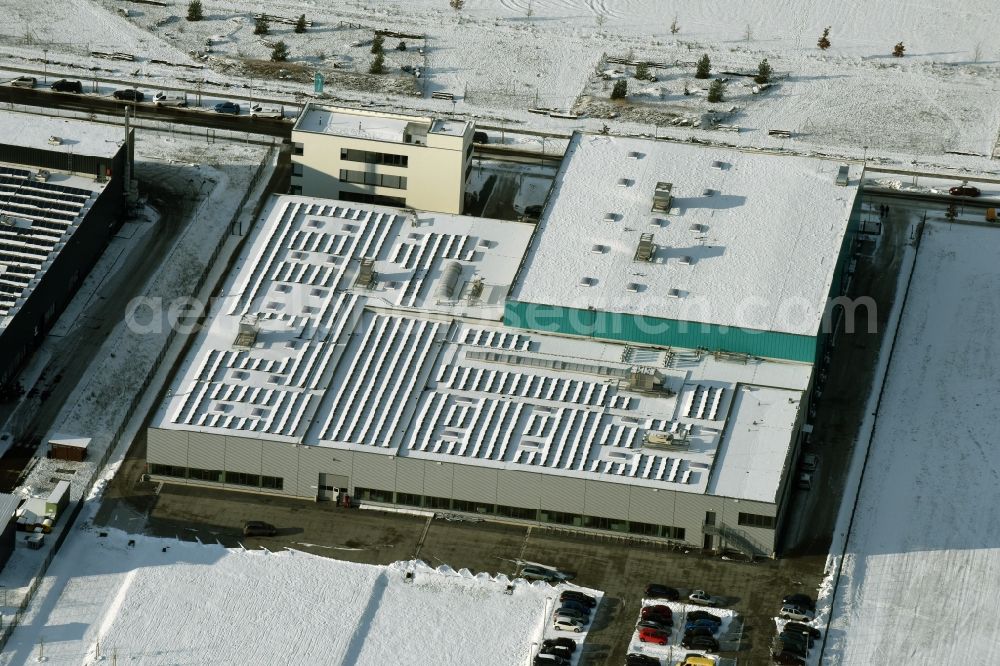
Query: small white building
{"points": [[374, 157]]}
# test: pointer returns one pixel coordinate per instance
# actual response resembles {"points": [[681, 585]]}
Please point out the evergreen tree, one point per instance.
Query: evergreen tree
{"points": [[401, 46], [674, 28], [704, 68], [899, 50], [378, 44], [456, 4], [763, 72], [620, 91], [300, 25], [280, 52], [194, 11], [261, 27], [378, 64], [642, 71], [716, 91], [824, 40]]}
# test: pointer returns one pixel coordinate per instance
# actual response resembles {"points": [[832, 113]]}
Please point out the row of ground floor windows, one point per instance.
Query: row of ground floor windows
{"points": [[520, 513], [218, 476]]}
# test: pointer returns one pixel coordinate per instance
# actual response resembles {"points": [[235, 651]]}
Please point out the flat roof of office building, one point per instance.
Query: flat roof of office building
{"points": [[398, 367], [750, 239], [370, 123], [75, 137]]}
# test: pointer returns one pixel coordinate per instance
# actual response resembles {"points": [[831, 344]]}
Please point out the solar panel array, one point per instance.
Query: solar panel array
{"points": [[34, 217]]}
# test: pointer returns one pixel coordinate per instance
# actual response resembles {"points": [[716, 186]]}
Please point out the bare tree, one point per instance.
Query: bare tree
{"points": [[977, 52], [674, 28], [748, 34]]}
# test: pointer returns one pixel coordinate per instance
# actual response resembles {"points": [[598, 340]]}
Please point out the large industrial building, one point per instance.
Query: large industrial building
{"points": [[394, 356], [375, 157], [61, 199]]}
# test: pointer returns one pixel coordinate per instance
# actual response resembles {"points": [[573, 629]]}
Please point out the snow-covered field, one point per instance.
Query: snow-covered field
{"points": [[161, 601], [919, 583]]}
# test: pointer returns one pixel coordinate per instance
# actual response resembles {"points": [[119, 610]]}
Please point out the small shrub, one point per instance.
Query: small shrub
{"points": [[378, 44], [674, 28], [899, 50], [620, 91], [300, 25], [261, 27], [824, 40], [642, 71], [280, 52], [763, 72], [194, 11], [456, 4], [401, 46], [716, 91], [378, 64], [704, 68]]}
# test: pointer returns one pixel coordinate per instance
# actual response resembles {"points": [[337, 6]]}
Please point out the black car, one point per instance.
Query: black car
{"points": [[576, 605], [558, 651], [579, 597], [965, 190], [787, 659], [696, 615], [699, 631], [62, 85], [480, 137], [798, 627], [128, 95], [561, 641], [641, 660], [800, 600], [550, 660], [258, 528], [700, 643], [663, 624], [787, 646], [795, 639], [654, 591]]}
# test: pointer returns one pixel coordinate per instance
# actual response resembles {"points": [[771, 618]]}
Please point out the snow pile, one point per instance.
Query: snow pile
{"points": [[160, 601], [923, 559]]}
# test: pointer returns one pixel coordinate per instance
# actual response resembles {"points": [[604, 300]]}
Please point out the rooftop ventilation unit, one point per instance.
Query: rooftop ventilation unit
{"points": [[696, 228], [598, 249], [843, 175], [646, 248], [366, 276], [634, 287], [55, 141], [449, 278], [674, 293], [717, 164], [246, 336], [644, 380], [662, 197], [624, 182], [635, 155], [476, 288], [611, 217], [686, 260], [708, 192], [587, 282]]}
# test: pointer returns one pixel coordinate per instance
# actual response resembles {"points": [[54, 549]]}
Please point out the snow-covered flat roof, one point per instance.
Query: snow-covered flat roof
{"points": [[76, 136], [749, 240], [370, 124], [38, 215], [296, 290]]}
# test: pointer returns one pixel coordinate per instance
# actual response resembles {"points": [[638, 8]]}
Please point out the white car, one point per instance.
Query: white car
{"points": [[563, 623], [163, 99], [258, 111], [702, 599], [790, 612]]}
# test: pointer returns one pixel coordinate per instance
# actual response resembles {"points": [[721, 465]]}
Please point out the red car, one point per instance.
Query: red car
{"points": [[662, 611], [650, 635], [964, 190]]}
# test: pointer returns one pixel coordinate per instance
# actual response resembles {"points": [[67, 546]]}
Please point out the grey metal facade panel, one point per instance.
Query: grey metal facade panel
{"points": [[475, 484], [690, 510], [206, 451], [282, 460], [372, 470], [315, 459], [244, 455], [520, 489], [606, 500], [648, 505], [167, 447], [438, 479], [410, 475], [561, 493]]}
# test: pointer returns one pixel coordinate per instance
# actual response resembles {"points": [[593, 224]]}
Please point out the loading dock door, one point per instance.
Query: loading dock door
{"points": [[330, 486]]}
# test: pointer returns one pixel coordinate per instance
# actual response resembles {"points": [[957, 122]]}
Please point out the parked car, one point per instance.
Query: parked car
{"points": [[635, 659], [702, 615], [810, 462], [561, 641], [700, 631], [128, 95], [788, 646], [258, 528], [573, 613], [231, 108], [651, 635], [63, 85], [533, 572], [24, 82], [550, 660], [663, 625], [658, 609], [701, 598], [480, 137], [700, 643], [557, 650], [800, 600], [163, 99], [787, 658], [258, 111], [708, 624], [802, 640], [803, 628], [965, 190], [563, 623], [656, 591], [697, 660], [792, 612], [575, 605], [578, 596]]}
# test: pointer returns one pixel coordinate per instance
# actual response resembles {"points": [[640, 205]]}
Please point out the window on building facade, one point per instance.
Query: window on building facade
{"points": [[517, 512], [471, 507], [376, 179], [168, 470], [214, 475], [756, 520], [409, 499], [373, 495], [368, 157], [243, 479]]}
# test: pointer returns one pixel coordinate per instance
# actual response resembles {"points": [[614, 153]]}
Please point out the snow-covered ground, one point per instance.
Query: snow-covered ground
{"points": [[159, 601], [919, 582]]}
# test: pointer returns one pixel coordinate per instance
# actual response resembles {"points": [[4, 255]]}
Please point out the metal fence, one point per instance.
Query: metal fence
{"points": [[116, 438]]}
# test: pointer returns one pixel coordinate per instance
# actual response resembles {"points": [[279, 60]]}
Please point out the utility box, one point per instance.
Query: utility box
{"points": [[662, 197], [68, 447]]}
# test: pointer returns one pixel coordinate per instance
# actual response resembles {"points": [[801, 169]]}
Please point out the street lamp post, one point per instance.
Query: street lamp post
{"points": [[45, 66]]}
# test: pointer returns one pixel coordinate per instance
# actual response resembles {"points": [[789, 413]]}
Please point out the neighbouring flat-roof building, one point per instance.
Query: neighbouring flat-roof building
{"points": [[377, 157], [690, 246], [361, 350], [61, 199]]}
